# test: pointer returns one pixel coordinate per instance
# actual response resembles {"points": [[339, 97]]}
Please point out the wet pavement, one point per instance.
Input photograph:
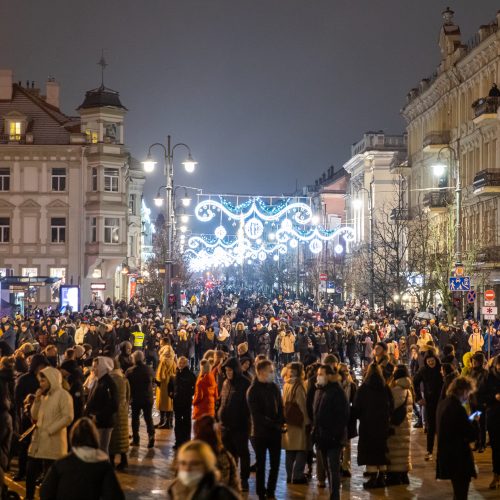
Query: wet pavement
{"points": [[150, 471]]}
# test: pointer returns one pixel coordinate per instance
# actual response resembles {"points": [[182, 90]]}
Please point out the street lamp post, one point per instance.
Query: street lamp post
{"points": [[149, 165], [439, 169], [369, 192]]}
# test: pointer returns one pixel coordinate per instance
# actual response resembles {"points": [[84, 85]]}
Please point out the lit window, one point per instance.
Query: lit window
{"points": [[57, 272], [111, 230], [111, 177], [30, 272], [58, 179], [4, 179], [14, 131], [58, 229], [4, 229], [92, 136]]}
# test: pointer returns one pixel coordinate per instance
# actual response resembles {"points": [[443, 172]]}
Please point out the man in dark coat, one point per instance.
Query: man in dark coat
{"points": [[432, 380], [181, 390], [234, 416], [267, 418], [140, 378], [330, 420]]}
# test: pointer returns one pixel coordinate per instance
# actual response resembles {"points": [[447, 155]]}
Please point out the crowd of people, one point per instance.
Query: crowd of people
{"points": [[234, 374]]}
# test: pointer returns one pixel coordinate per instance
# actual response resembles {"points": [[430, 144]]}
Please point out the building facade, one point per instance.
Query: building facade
{"points": [[70, 195], [452, 117]]}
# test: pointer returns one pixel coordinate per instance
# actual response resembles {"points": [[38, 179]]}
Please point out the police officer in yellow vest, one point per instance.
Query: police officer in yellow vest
{"points": [[138, 337]]}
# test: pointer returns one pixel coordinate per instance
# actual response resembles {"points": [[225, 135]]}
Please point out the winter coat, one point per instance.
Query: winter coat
{"points": [[6, 430], [331, 416], [208, 489], [295, 437], [205, 396], [399, 440], [233, 413], [266, 409], [476, 342], [140, 378], [492, 404], [263, 343], [84, 474], [373, 407], [9, 337], [181, 389], [454, 433], [119, 437], [432, 381], [164, 373], [52, 413], [103, 402]]}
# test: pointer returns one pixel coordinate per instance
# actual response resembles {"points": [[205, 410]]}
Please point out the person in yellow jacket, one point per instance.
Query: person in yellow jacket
{"points": [[164, 374], [137, 337]]}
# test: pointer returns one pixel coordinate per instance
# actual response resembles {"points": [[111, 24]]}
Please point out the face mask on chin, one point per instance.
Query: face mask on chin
{"points": [[189, 478]]}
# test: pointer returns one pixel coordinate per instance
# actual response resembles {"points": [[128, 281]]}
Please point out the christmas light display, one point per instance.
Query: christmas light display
{"points": [[249, 239]]}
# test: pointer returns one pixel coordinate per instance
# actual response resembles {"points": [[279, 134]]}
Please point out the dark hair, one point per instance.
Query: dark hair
{"points": [[328, 369], [448, 349], [297, 367], [374, 377], [459, 386], [84, 433], [401, 371], [448, 368], [330, 359], [263, 364]]}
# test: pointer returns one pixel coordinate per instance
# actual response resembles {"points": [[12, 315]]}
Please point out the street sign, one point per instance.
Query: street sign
{"points": [[490, 303], [489, 310], [459, 271], [460, 284], [489, 317], [322, 286], [323, 276], [471, 297], [489, 295]]}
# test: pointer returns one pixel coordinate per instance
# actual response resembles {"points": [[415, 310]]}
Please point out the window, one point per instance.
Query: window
{"points": [[131, 204], [58, 179], [31, 272], [94, 179], [4, 229], [4, 179], [91, 136], [57, 272], [58, 229], [93, 229], [14, 131], [111, 230], [111, 177]]}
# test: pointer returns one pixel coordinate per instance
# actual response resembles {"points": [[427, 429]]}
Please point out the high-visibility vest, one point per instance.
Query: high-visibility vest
{"points": [[138, 339]]}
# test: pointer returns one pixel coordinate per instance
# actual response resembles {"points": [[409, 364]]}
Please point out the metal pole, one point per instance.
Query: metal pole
{"points": [[168, 222], [458, 192], [372, 269]]}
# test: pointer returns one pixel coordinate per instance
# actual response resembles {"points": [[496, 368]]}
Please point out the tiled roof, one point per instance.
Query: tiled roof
{"points": [[101, 97], [47, 124]]}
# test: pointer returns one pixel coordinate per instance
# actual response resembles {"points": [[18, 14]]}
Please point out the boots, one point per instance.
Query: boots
{"points": [[371, 483], [404, 478], [392, 478], [151, 441], [163, 420], [170, 419], [123, 462]]}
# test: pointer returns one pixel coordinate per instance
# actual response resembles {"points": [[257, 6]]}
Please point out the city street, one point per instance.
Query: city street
{"points": [[150, 471]]}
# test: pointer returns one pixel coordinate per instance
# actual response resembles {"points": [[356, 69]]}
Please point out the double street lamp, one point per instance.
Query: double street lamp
{"points": [[168, 170]]}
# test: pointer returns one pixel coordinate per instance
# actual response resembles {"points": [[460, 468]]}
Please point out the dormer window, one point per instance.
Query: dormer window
{"points": [[15, 130], [15, 126]]}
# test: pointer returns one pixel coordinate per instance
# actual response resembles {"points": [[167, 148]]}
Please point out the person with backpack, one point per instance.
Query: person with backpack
{"points": [[399, 441]]}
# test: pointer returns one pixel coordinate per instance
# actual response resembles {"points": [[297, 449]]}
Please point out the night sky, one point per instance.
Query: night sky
{"points": [[266, 92]]}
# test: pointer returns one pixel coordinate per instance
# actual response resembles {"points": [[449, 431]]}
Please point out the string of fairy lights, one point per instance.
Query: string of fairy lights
{"points": [[253, 231]]}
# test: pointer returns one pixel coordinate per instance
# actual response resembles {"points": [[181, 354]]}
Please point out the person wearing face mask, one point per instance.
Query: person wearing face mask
{"points": [[267, 419], [330, 421], [197, 475], [455, 432]]}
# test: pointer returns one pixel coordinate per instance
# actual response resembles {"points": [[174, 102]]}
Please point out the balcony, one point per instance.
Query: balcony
{"points": [[487, 181], [400, 214], [435, 141], [485, 109], [16, 139], [436, 201], [488, 254]]}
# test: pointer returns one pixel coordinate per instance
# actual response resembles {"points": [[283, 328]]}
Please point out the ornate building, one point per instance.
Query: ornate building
{"points": [[70, 197], [451, 115]]}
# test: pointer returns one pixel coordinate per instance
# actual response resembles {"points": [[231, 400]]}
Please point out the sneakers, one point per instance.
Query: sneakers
{"points": [[428, 457]]}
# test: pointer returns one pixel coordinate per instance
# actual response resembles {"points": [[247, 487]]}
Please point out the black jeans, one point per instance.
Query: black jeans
{"points": [[494, 432], [34, 468], [430, 419], [182, 426], [331, 459], [147, 412], [460, 487], [261, 445], [236, 442]]}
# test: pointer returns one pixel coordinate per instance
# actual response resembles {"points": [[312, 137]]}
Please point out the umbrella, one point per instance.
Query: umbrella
{"points": [[425, 315]]}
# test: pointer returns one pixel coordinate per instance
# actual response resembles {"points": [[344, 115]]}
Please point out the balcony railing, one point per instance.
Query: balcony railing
{"points": [[487, 181], [486, 106], [436, 140], [435, 199], [12, 138]]}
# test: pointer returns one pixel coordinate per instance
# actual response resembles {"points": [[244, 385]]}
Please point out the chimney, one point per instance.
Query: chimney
{"points": [[5, 84], [52, 92]]}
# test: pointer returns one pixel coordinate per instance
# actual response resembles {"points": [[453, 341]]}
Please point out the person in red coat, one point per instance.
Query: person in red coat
{"points": [[206, 392]]}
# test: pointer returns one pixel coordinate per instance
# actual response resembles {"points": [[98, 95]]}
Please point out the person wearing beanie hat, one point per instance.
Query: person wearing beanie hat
{"points": [[432, 380], [398, 443]]}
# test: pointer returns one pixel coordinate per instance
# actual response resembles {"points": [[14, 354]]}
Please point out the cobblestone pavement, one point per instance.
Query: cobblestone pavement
{"points": [[149, 473]]}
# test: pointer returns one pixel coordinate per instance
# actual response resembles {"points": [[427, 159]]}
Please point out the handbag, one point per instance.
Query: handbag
{"points": [[399, 413], [293, 413]]}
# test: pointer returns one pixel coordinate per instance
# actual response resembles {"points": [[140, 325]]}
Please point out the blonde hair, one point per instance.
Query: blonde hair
{"points": [[205, 367], [204, 452], [182, 334]]}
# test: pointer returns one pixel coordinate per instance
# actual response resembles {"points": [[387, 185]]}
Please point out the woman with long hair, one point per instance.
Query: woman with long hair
{"points": [[164, 373], [206, 392], [373, 405]]}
